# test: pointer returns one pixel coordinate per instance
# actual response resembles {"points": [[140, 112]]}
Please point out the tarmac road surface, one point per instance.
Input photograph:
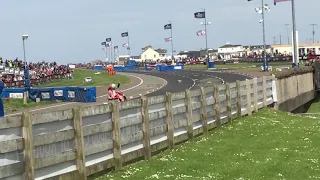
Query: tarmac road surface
{"points": [[153, 83], [140, 84], [192, 79]]}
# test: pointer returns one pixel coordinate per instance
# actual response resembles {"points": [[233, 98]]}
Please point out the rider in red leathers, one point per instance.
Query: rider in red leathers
{"points": [[112, 94]]}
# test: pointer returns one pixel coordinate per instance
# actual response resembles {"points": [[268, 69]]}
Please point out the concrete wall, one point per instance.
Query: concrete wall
{"points": [[75, 143], [295, 87]]}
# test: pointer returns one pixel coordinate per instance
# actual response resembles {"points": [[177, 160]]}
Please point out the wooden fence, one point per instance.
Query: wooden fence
{"points": [[77, 142]]}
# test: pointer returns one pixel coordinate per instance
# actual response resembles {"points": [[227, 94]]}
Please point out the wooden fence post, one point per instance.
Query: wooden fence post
{"points": [[116, 136], [239, 104], [189, 114], [28, 146], [78, 135], [248, 89], [170, 126], [278, 96], [204, 111], [145, 127], [228, 98], [217, 104], [255, 94], [264, 87]]}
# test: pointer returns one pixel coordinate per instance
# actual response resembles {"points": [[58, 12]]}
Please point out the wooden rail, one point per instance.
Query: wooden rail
{"points": [[77, 142]]}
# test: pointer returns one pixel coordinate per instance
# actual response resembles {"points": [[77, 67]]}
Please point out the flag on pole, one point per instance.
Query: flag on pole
{"points": [[201, 32], [124, 34], [167, 39], [200, 15], [168, 26], [115, 47], [103, 43], [107, 45], [277, 1], [108, 40], [125, 45]]}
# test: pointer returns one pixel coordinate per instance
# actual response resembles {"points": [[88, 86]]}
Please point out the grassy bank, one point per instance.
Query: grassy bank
{"points": [[13, 105], [268, 145], [315, 106], [98, 79]]}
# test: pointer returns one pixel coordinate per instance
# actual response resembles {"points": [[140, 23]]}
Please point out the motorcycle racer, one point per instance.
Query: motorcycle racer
{"points": [[112, 91]]}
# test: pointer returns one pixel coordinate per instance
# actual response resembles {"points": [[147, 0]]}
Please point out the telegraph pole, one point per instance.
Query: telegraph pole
{"points": [[274, 40], [313, 31], [261, 10], [288, 32], [295, 56], [280, 39]]}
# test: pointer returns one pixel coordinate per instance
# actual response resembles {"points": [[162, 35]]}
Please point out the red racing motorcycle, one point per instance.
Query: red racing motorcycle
{"points": [[120, 96]]}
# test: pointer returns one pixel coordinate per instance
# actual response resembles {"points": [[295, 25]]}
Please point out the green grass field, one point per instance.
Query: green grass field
{"points": [[269, 145], [13, 105], [315, 107], [98, 79], [101, 79]]}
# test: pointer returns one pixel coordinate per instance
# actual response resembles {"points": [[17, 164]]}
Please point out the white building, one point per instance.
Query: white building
{"points": [[228, 50]]}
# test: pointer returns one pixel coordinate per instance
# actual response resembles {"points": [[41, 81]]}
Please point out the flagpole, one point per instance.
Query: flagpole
{"points": [[109, 53], [205, 29], [128, 48], [295, 53], [265, 66], [114, 53], [111, 49], [172, 56], [105, 46]]}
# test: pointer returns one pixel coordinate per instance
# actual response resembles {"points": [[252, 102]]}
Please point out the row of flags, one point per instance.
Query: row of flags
{"points": [[166, 27], [197, 15], [202, 15], [107, 43]]}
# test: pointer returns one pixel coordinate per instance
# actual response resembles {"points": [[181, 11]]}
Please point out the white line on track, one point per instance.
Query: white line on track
{"points": [[143, 94], [141, 82]]}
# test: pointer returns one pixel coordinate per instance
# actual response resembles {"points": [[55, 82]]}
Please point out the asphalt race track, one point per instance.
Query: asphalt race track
{"points": [[153, 86], [192, 79]]}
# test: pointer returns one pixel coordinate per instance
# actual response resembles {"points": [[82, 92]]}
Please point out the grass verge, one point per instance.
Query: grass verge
{"points": [[98, 79], [267, 145], [315, 106], [13, 105]]}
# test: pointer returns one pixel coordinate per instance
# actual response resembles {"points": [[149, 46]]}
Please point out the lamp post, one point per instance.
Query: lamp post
{"points": [[24, 37], [287, 32], [261, 10], [205, 23], [26, 71]]}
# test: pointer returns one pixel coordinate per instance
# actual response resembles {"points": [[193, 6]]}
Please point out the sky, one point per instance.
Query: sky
{"points": [[71, 31]]}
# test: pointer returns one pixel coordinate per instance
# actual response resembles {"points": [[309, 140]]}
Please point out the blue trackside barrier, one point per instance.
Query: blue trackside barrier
{"points": [[118, 68], [149, 67], [179, 67], [170, 68], [124, 68], [211, 64], [98, 67], [15, 93], [66, 94], [164, 68]]}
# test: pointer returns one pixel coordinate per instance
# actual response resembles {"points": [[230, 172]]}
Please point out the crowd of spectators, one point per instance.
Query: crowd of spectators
{"points": [[13, 70]]}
